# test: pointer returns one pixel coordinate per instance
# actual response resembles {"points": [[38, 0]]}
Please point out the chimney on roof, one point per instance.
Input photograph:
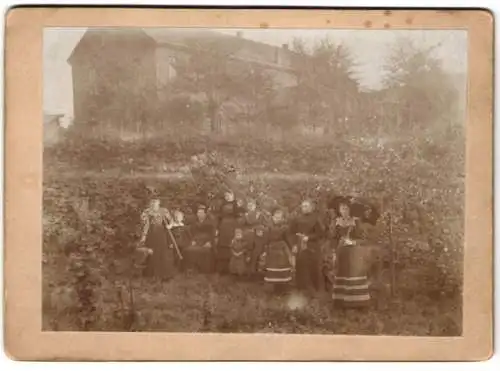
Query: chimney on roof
{"points": [[239, 34]]}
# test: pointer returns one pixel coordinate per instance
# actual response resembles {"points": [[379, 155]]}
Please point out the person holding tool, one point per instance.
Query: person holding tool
{"points": [[155, 241]]}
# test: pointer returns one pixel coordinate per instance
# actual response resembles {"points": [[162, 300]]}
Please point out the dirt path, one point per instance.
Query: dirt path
{"points": [[179, 176]]}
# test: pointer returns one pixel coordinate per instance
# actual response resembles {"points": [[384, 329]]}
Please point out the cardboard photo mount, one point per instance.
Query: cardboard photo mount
{"points": [[24, 338]]}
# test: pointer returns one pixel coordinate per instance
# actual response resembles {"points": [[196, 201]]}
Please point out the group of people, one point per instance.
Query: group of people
{"points": [[237, 238]]}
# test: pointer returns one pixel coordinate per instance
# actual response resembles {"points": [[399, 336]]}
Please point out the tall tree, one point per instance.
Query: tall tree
{"points": [[423, 90], [326, 85], [306, 95], [209, 71], [337, 83], [255, 94]]}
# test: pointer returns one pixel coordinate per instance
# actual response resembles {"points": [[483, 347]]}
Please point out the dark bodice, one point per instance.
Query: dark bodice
{"points": [[238, 246], [228, 217], [347, 229], [203, 231], [309, 225], [182, 235], [277, 233], [152, 218], [229, 211], [251, 219]]}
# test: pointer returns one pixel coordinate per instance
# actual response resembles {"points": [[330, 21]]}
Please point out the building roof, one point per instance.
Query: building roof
{"points": [[94, 40], [183, 39]]}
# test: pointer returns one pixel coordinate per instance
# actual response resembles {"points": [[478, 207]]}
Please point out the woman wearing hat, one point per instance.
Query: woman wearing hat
{"points": [[350, 285], [160, 262]]}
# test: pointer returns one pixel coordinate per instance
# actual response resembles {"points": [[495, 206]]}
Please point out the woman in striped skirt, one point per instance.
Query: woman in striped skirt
{"points": [[350, 286], [278, 255]]}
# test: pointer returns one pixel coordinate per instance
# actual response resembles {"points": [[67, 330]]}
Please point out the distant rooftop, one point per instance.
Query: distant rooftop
{"points": [[180, 38]]}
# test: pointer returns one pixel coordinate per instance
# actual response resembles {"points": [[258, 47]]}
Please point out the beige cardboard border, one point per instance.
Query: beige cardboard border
{"points": [[24, 338]]}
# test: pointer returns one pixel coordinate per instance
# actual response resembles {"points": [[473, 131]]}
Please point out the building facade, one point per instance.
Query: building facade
{"points": [[119, 76]]}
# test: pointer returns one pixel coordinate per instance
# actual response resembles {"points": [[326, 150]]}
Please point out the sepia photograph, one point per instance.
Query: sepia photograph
{"points": [[239, 180]]}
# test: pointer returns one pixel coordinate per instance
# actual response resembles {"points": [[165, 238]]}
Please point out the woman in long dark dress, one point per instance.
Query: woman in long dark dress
{"points": [[350, 286], [309, 231], [229, 214], [200, 255], [160, 262]]}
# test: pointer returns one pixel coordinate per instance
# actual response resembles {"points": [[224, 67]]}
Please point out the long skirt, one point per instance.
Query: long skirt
{"points": [[328, 266], [237, 265], [350, 286], [309, 274], [199, 258], [226, 231], [161, 263], [278, 268], [222, 258]]}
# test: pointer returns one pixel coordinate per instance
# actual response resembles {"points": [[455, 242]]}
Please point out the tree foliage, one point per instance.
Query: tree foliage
{"points": [[422, 90], [417, 180], [326, 87], [255, 95], [208, 71]]}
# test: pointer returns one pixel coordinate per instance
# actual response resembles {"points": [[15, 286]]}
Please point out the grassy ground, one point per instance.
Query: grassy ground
{"points": [[193, 302], [210, 303]]}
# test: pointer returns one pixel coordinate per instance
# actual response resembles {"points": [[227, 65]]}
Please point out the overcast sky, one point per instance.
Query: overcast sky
{"points": [[369, 48]]}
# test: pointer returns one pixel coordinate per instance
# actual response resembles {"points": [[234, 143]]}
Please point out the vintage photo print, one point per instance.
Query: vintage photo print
{"points": [[232, 177]]}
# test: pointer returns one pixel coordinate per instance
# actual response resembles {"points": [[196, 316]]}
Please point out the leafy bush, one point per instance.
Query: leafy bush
{"points": [[420, 185]]}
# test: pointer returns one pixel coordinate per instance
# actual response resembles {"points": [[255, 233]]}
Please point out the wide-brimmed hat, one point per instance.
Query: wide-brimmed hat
{"points": [[365, 210]]}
